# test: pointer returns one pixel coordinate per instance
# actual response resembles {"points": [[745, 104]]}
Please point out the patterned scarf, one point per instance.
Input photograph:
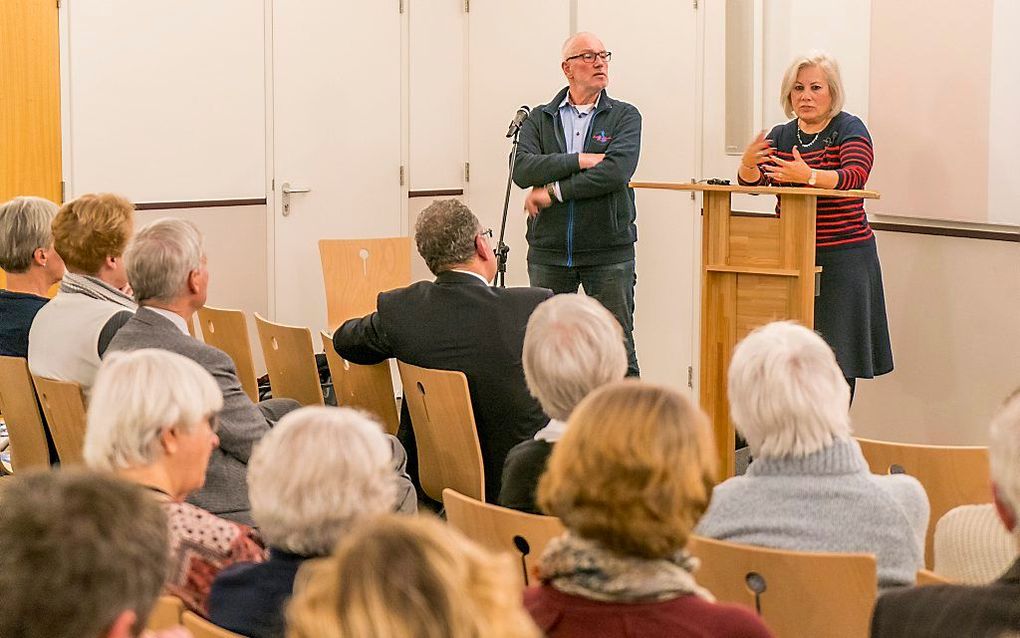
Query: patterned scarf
{"points": [[577, 566], [95, 288]]}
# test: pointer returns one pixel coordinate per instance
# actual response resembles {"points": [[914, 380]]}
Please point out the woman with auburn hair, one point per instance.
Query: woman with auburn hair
{"points": [[403, 577], [629, 480], [824, 146], [71, 333]]}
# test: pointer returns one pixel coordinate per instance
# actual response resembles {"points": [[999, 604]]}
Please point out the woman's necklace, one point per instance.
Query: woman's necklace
{"points": [[815, 139]]}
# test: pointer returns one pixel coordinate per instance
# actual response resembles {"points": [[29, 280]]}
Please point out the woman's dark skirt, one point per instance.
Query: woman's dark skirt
{"points": [[850, 310]]}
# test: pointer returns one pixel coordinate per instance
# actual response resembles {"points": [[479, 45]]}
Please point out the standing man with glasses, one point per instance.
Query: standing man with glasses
{"points": [[577, 155]]}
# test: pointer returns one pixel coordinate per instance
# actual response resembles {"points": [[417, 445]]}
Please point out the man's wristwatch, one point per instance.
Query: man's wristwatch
{"points": [[814, 178], [549, 188]]}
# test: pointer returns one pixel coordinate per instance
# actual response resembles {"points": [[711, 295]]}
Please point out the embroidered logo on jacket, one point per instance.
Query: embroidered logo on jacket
{"points": [[601, 137]]}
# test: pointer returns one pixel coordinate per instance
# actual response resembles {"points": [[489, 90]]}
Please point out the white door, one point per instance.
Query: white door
{"points": [[337, 133], [654, 67], [513, 59]]}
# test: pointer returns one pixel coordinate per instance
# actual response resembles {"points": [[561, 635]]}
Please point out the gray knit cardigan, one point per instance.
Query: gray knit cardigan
{"points": [[827, 501]]}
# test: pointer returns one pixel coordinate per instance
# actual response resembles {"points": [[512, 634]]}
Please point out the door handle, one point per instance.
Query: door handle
{"points": [[286, 191]]}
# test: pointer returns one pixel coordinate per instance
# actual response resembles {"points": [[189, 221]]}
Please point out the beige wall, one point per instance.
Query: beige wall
{"points": [[235, 241], [954, 315]]}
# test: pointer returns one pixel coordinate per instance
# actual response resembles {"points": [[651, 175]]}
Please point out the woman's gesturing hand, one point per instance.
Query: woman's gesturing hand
{"points": [[795, 171], [758, 151]]}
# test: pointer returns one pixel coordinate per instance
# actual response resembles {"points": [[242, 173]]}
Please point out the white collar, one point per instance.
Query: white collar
{"points": [[552, 432], [175, 318], [581, 108], [472, 273]]}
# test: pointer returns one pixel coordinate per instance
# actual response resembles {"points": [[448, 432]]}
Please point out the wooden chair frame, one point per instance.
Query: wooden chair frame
{"points": [[290, 361], [368, 388], [228, 330], [19, 404], [63, 403]]}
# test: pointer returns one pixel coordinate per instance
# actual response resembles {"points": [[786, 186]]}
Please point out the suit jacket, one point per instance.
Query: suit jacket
{"points": [[458, 322], [951, 610], [249, 598], [242, 423]]}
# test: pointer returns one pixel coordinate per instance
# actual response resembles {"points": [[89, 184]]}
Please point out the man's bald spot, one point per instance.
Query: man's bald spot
{"points": [[579, 41]]}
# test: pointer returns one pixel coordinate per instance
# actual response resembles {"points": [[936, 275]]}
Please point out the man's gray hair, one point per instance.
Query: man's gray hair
{"points": [[445, 234], [161, 257], [1004, 452], [136, 396], [25, 226], [568, 45], [572, 346], [316, 474], [787, 394]]}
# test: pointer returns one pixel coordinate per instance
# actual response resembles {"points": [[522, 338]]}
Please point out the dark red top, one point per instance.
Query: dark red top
{"points": [[562, 615]]}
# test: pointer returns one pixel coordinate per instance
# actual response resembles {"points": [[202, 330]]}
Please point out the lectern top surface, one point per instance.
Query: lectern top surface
{"points": [[757, 190]]}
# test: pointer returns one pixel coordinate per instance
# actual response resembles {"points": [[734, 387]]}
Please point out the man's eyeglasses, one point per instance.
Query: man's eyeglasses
{"points": [[589, 56], [487, 232]]}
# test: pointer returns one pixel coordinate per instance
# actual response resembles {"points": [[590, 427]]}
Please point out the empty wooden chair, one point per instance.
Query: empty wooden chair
{"points": [[796, 593], [64, 406], [202, 628], [503, 530], [20, 408], [355, 271], [449, 455], [290, 361], [228, 331], [951, 475], [368, 388], [166, 614]]}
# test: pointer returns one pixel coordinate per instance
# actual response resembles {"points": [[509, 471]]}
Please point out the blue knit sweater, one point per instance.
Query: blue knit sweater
{"points": [[827, 501]]}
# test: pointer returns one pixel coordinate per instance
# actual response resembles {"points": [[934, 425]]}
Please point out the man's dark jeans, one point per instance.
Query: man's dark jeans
{"points": [[611, 284]]}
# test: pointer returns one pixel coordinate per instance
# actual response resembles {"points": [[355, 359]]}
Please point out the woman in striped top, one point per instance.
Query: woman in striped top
{"points": [[826, 147]]}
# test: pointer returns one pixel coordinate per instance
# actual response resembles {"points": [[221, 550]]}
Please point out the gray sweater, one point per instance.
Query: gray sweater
{"points": [[827, 501]]}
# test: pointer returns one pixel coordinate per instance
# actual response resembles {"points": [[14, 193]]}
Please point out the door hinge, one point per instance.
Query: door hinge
{"points": [[690, 377], [58, 4], [467, 171], [467, 6], [400, 6], [401, 174], [63, 191], [695, 3]]}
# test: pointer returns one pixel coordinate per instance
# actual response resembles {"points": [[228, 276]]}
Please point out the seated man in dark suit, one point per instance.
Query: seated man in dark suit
{"points": [[166, 266], [968, 610], [457, 322]]}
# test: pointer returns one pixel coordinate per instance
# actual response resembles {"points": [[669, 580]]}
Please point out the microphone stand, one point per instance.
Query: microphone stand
{"points": [[502, 250]]}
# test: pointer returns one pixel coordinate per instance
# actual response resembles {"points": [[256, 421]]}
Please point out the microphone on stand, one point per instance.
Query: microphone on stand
{"points": [[519, 117]]}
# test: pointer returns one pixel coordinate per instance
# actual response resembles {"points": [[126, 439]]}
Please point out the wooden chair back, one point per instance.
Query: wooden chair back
{"points": [[520, 534], [63, 403], [166, 614], [795, 593], [355, 271], [290, 361], [449, 455], [927, 577], [228, 331], [20, 408], [368, 388], [951, 475], [202, 628]]}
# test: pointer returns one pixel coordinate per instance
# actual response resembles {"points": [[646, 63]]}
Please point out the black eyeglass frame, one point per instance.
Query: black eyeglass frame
{"points": [[605, 55]]}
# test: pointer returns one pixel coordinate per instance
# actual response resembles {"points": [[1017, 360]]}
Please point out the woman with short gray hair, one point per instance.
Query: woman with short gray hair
{"points": [[572, 346], [152, 421], [311, 479], [32, 267], [809, 487]]}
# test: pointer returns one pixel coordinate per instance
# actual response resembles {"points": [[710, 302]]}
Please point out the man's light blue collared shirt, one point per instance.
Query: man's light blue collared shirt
{"points": [[576, 127]]}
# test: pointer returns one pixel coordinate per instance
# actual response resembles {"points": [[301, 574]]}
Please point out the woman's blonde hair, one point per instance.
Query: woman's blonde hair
{"points": [[634, 470], [829, 67], [91, 228], [408, 577]]}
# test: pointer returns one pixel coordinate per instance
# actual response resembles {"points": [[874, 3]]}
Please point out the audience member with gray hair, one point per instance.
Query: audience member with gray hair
{"points": [[152, 421], [572, 346], [32, 267], [970, 610], [313, 478], [809, 487], [166, 265], [83, 556], [457, 322]]}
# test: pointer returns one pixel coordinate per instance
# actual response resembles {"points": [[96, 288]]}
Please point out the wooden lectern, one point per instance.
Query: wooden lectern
{"points": [[756, 268]]}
